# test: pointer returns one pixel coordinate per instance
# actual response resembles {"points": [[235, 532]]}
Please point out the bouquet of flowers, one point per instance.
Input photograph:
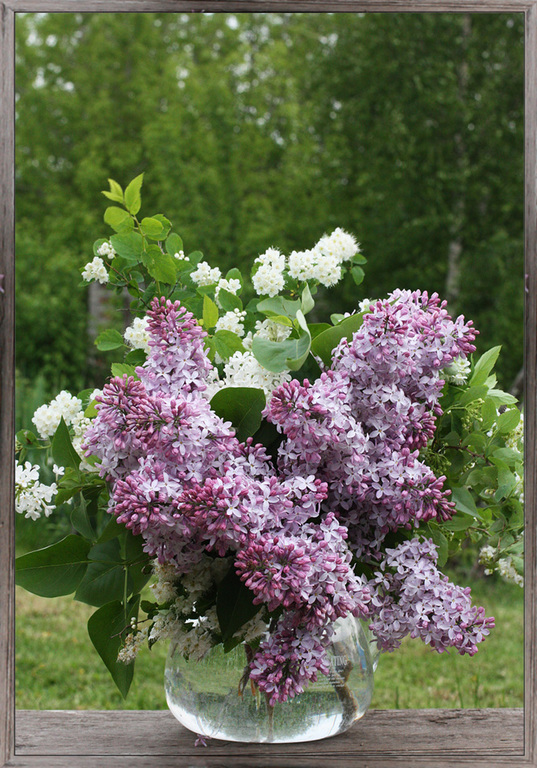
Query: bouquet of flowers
{"points": [[271, 474]]}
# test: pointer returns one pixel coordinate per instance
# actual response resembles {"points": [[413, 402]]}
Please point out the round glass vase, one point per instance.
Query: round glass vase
{"points": [[204, 695]]}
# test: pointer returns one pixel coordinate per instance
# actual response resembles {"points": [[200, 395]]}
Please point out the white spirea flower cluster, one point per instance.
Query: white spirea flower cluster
{"points": [[95, 270], [340, 245], [323, 263], [243, 370], [106, 249], [133, 643], [233, 285], [180, 256], [268, 329], [47, 417], [137, 334], [515, 439], [163, 589], [268, 279], [80, 424], [457, 373], [232, 321], [507, 571], [32, 498], [205, 275], [504, 566]]}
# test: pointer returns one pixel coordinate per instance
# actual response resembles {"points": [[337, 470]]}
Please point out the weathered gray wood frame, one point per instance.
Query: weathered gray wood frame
{"points": [[432, 738]]}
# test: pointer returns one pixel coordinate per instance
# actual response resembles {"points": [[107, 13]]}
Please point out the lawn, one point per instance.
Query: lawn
{"points": [[57, 667]]}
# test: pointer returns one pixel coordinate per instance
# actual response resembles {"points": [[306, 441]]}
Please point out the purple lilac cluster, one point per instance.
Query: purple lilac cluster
{"points": [[414, 598], [180, 478], [348, 473], [361, 424]]}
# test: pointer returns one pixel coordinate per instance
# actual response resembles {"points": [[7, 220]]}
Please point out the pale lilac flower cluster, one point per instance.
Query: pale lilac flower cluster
{"points": [[414, 598]]}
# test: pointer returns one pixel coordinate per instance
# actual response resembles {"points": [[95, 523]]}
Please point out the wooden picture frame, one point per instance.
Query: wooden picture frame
{"points": [[432, 738]]}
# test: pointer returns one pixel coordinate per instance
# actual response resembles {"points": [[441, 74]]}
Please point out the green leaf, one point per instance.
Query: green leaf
{"points": [[278, 356], [278, 306], [55, 570], [307, 303], [488, 414], [133, 199], [80, 520], [116, 193], [174, 244], [161, 266], [228, 301], [166, 225], [118, 219], [195, 257], [62, 448], [153, 228], [226, 343], [484, 366], [508, 420], [472, 394], [441, 543], [139, 569], [464, 501], [111, 530], [458, 523], [109, 339], [128, 245], [210, 313], [358, 259], [317, 328], [324, 344], [122, 369], [136, 357], [242, 406], [508, 455], [501, 398], [107, 628], [358, 275], [234, 606], [104, 579]]}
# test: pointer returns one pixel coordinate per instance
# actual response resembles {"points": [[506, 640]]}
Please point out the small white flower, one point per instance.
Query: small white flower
{"points": [[233, 285], [137, 334], [32, 498], [232, 321], [340, 245], [180, 256], [458, 372], [58, 471], [243, 370], [95, 270], [47, 417], [268, 329], [205, 275], [268, 280], [106, 250]]}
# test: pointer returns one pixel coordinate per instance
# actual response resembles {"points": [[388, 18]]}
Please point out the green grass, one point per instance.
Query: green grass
{"points": [[57, 667]]}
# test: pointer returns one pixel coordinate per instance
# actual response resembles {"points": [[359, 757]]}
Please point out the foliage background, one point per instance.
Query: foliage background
{"points": [[270, 129]]}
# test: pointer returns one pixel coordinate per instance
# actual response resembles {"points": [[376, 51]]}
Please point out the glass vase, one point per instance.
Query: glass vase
{"points": [[204, 695]]}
